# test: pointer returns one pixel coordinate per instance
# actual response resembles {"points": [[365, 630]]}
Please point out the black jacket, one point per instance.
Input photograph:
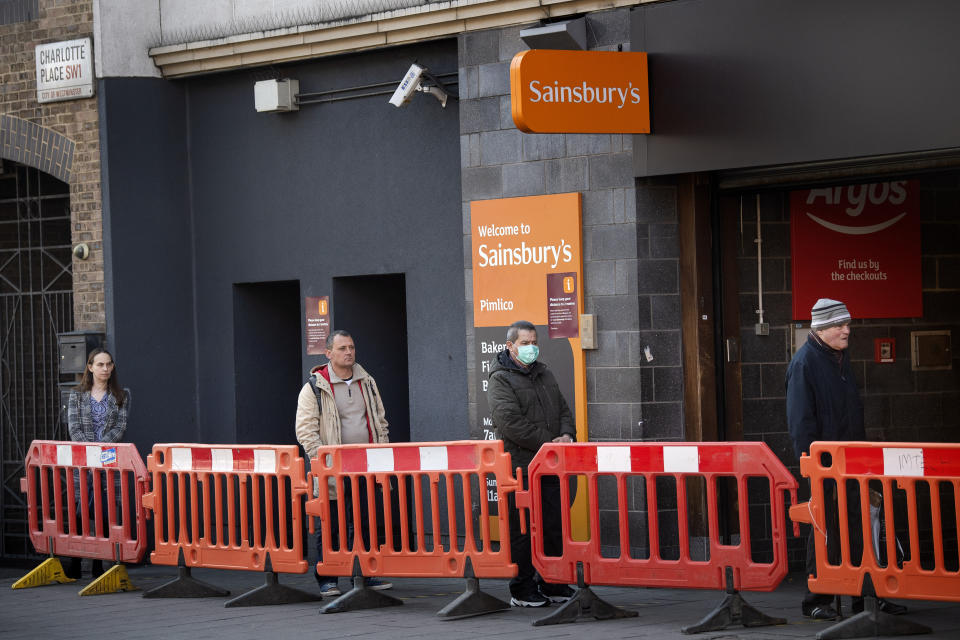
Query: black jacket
{"points": [[823, 402], [527, 407]]}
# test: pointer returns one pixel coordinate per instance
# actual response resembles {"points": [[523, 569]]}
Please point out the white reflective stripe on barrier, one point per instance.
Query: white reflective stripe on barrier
{"points": [[433, 458], [681, 460], [613, 459], [221, 460], [381, 459]]}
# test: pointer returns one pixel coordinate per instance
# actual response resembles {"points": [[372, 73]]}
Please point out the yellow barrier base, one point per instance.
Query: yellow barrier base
{"points": [[115, 579], [47, 572]]}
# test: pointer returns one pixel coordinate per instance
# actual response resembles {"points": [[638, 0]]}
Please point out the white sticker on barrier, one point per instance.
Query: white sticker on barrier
{"points": [[613, 459], [221, 460], [181, 459], [433, 459], [903, 462], [64, 455], [264, 461], [93, 456], [681, 459], [380, 459]]}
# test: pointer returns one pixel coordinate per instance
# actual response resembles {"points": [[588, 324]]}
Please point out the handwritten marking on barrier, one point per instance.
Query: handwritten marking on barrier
{"points": [[903, 462]]}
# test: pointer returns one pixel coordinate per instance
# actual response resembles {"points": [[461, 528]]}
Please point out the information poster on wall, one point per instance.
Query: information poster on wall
{"points": [[859, 244], [524, 248], [563, 308], [317, 325]]}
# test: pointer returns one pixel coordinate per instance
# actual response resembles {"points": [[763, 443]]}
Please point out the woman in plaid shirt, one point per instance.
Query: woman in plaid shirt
{"points": [[96, 412]]}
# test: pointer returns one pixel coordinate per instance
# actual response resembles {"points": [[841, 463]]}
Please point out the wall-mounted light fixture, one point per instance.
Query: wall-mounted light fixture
{"points": [[568, 34], [276, 96]]}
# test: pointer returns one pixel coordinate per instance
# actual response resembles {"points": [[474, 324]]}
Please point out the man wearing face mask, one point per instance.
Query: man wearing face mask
{"points": [[528, 410]]}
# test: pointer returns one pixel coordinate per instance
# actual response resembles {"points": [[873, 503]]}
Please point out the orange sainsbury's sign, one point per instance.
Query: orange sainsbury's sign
{"points": [[580, 91]]}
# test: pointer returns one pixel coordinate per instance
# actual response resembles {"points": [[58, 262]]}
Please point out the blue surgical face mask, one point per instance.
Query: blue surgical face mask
{"points": [[527, 353]]}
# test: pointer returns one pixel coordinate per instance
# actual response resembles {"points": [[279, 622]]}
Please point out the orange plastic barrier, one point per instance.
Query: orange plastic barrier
{"points": [[228, 506], [727, 566], [58, 511], [431, 469], [740, 460], [929, 476]]}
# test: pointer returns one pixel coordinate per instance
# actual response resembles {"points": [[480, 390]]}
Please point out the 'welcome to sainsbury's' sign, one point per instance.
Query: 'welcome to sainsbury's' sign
{"points": [[580, 92]]}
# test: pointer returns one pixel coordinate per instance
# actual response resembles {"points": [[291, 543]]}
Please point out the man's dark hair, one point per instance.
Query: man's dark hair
{"points": [[514, 330], [334, 334]]}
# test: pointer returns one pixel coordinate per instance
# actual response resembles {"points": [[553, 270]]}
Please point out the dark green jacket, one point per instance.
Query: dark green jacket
{"points": [[527, 407]]}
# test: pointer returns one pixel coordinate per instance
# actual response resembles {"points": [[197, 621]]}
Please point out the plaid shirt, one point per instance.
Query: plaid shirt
{"points": [[80, 420]]}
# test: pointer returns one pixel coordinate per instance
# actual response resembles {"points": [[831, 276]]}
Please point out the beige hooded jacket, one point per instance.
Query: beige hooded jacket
{"points": [[319, 424]]}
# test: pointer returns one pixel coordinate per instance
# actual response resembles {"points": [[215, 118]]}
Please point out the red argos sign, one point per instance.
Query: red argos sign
{"points": [[859, 244]]}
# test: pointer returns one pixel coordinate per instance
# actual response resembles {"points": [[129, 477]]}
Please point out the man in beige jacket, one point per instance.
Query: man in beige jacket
{"points": [[340, 404]]}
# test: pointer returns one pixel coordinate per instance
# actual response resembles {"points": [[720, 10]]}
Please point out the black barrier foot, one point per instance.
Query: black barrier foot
{"points": [[472, 602], [361, 596], [271, 592], [733, 609], [872, 623], [185, 586], [584, 604]]}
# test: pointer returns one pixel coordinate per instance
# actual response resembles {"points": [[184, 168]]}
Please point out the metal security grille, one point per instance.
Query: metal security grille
{"points": [[36, 302], [14, 11]]}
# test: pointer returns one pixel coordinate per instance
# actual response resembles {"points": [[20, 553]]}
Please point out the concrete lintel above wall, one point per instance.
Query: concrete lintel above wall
{"points": [[417, 24]]}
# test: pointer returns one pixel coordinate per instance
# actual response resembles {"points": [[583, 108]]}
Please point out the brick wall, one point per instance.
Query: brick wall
{"points": [[76, 120]]}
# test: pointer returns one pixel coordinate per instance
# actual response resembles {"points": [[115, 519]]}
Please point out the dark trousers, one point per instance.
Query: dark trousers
{"points": [[335, 541], [520, 550], [832, 517]]}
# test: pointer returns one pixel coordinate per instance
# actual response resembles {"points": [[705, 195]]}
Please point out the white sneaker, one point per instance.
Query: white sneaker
{"points": [[532, 599]]}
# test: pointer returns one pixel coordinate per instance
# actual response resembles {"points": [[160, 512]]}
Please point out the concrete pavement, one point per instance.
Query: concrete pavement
{"points": [[57, 611]]}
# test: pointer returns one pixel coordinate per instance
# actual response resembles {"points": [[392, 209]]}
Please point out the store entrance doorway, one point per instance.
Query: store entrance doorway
{"points": [[266, 341]]}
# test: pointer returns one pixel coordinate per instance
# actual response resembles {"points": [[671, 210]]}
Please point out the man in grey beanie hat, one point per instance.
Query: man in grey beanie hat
{"points": [[823, 403]]}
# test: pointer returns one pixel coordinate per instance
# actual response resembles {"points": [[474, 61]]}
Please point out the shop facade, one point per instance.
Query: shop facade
{"points": [[220, 223]]}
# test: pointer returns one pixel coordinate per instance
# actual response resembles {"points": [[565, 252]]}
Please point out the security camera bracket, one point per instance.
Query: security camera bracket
{"points": [[438, 90]]}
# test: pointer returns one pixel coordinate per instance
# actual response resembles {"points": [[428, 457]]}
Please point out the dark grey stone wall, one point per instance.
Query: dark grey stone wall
{"points": [[498, 161], [659, 321], [899, 404], [630, 257]]}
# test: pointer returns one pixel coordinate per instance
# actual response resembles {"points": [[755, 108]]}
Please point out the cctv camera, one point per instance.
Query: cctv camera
{"points": [[81, 251], [408, 86]]}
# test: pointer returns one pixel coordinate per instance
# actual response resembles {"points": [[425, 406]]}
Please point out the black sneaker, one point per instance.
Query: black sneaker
{"points": [[885, 606], [530, 598], [819, 612], [891, 607], [556, 592]]}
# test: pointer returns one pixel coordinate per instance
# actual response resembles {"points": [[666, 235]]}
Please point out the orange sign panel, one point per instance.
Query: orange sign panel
{"points": [[580, 91], [516, 241]]}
